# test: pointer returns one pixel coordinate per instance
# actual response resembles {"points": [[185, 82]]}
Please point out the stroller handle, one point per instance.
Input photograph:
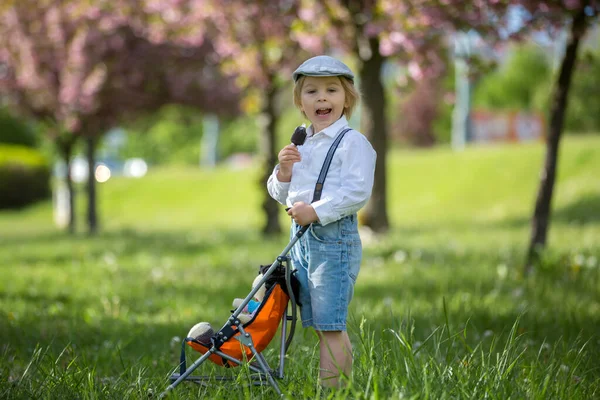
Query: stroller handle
{"points": [[302, 231], [272, 268]]}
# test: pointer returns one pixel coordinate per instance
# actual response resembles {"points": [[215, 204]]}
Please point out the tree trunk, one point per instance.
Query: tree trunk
{"points": [[66, 151], [268, 152], [92, 218], [374, 126], [541, 215]]}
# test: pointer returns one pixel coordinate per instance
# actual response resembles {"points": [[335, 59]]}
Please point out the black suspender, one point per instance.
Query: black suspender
{"points": [[326, 164]]}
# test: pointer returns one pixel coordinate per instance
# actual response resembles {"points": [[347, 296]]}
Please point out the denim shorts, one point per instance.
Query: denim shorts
{"points": [[328, 261]]}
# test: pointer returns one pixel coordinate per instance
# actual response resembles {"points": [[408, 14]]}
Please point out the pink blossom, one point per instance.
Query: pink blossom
{"points": [[306, 14], [572, 4], [386, 47], [94, 80], [397, 37], [310, 43], [415, 71]]}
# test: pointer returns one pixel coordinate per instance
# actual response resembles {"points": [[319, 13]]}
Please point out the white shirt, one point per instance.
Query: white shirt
{"points": [[348, 184]]}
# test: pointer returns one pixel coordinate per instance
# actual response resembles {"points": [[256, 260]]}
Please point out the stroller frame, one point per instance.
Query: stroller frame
{"points": [[263, 373]]}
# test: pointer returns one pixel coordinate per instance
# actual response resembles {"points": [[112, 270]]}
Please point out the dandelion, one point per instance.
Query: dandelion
{"points": [[579, 260], [545, 346], [400, 256], [502, 271], [175, 340], [110, 259], [592, 262]]}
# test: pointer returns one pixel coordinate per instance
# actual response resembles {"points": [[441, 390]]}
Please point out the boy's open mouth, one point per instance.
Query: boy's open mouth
{"points": [[323, 111]]}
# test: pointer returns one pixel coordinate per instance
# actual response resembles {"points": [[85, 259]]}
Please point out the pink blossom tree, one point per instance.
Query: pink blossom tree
{"points": [[253, 42], [84, 68], [410, 32]]}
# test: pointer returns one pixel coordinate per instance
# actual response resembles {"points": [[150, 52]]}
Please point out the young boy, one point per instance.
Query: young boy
{"points": [[328, 255]]}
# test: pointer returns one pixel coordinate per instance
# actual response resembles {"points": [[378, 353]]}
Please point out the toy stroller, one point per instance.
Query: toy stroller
{"points": [[237, 343]]}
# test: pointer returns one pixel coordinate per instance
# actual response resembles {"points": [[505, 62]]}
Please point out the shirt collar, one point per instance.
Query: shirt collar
{"points": [[332, 129]]}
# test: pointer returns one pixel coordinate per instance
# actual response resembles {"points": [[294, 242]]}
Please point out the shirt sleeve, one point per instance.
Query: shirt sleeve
{"points": [[277, 190], [356, 177]]}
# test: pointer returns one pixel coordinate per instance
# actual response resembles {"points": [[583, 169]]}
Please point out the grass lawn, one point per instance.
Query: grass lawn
{"points": [[440, 311]]}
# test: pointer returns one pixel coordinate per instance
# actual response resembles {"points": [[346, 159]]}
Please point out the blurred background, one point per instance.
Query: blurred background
{"points": [[119, 89], [94, 91]]}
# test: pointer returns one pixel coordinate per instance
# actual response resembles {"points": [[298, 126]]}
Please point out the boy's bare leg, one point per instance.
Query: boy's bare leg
{"points": [[336, 357]]}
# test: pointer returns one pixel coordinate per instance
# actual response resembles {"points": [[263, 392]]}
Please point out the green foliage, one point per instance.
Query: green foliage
{"points": [[171, 135], [515, 84], [239, 135], [24, 176], [442, 126], [15, 131], [526, 81], [174, 134], [583, 111]]}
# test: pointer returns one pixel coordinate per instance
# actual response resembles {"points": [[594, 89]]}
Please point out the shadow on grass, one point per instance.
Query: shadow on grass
{"points": [[542, 318], [130, 347], [64, 248], [585, 210], [111, 345], [114, 346], [70, 325]]}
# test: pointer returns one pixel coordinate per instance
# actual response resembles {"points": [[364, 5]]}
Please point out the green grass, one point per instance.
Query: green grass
{"points": [[440, 310]]}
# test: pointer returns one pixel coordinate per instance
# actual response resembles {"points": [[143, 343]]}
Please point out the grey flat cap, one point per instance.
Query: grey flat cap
{"points": [[323, 66]]}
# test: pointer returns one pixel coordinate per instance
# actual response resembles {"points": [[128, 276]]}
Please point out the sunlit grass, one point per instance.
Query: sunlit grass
{"points": [[441, 309]]}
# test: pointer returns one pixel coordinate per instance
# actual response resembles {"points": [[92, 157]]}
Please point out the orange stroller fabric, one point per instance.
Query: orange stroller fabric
{"points": [[261, 328]]}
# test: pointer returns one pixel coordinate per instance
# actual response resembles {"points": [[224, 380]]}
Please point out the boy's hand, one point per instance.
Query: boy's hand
{"points": [[287, 157], [303, 213]]}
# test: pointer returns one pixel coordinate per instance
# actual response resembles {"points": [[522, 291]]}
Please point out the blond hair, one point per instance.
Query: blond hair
{"points": [[352, 95]]}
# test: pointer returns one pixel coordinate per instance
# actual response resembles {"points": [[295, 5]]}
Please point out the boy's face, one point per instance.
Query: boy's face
{"points": [[323, 100]]}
